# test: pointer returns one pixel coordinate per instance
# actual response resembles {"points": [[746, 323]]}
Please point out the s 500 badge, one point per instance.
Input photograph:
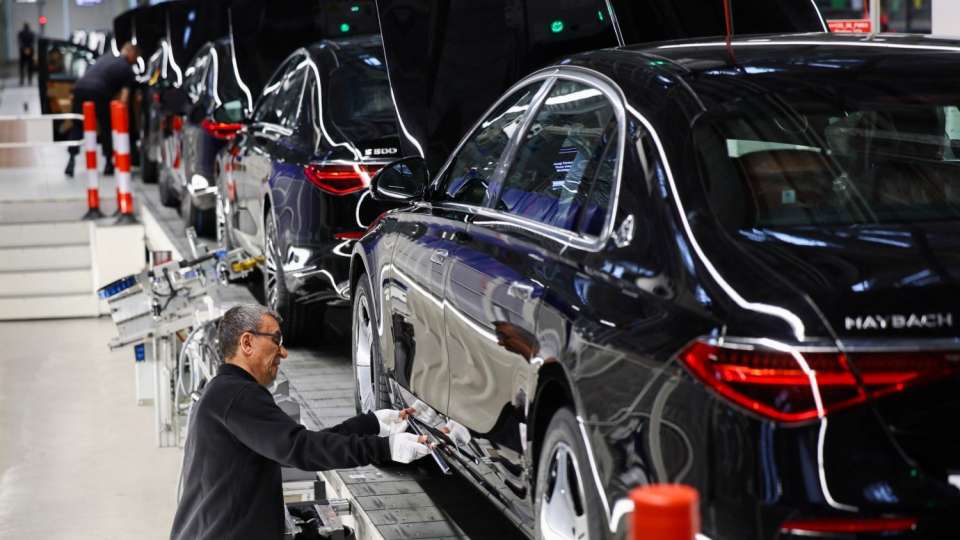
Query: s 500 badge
{"points": [[896, 322], [380, 151]]}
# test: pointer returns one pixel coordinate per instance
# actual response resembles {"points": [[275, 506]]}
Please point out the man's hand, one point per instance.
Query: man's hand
{"points": [[391, 422], [406, 447]]}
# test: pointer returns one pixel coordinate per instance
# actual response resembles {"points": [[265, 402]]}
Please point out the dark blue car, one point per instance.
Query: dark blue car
{"points": [[293, 184]]}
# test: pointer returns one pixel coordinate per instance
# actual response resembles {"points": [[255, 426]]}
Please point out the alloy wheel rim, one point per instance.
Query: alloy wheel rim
{"points": [[362, 353], [271, 267], [562, 512], [221, 223]]}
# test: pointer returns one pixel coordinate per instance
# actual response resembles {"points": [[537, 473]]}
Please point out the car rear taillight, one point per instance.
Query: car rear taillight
{"points": [[340, 178], [849, 525], [220, 130], [793, 386]]}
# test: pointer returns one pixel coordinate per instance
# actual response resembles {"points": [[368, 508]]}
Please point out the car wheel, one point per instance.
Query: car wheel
{"points": [[567, 501], [224, 240], [301, 323], [371, 392]]}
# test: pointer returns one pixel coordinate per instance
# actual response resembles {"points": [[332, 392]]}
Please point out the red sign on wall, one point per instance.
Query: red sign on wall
{"points": [[855, 26]]}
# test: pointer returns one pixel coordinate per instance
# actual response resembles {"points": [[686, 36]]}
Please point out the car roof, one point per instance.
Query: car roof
{"points": [[717, 71]]}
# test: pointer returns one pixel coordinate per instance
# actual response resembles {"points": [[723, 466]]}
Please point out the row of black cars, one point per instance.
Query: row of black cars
{"points": [[266, 138], [728, 261]]}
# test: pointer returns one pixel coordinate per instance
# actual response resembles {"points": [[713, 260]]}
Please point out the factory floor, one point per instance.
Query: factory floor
{"points": [[78, 457]]}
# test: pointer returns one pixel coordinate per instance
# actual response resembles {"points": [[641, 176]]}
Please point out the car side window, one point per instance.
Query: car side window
{"points": [[469, 174], [269, 107], [290, 97], [550, 179], [307, 127], [603, 170]]}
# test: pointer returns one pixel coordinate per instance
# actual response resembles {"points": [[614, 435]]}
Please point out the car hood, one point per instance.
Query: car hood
{"points": [[450, 61], [887, 282]]}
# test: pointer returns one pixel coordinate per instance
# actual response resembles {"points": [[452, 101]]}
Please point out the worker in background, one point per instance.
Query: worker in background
{"points": [[238, 438], [100, 83], [26, 39]]}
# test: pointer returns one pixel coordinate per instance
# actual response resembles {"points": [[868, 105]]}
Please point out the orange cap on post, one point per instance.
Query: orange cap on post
{"points": [[665, 512]]}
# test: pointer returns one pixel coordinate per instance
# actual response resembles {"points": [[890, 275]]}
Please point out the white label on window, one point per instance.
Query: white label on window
{"points": [[357, 476], [788, 196]]}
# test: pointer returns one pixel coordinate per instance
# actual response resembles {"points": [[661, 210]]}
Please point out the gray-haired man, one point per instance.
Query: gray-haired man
{"points": [[238, 438]]}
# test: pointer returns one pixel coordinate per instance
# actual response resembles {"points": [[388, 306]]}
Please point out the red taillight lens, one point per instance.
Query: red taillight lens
{"points": [[793, 386], [340, 178], [848, 525], [220, 130]]}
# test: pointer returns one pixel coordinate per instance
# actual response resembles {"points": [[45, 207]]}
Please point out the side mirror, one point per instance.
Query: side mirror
{"points": [[230, 112], [400, 181], [176, 101]]}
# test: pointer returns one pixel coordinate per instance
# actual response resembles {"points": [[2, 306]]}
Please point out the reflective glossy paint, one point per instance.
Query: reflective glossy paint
{"points": [[297, 162], [832, 324]]}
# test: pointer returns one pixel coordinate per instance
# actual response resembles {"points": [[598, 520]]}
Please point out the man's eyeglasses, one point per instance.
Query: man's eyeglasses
{"points": [[278, 336]]}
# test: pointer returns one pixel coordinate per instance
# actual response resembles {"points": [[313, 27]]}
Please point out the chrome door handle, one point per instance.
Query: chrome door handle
{"points": [[523, 291], [438, 256]]}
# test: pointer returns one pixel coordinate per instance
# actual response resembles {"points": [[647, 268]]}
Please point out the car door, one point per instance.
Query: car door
{"points": [[616, 300], [253, 162], [501, 271], [426, 238], [194, 139], [175, 141]]}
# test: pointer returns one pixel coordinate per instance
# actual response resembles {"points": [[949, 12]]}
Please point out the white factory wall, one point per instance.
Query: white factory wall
{"points": [[63, 17], [946, 17]]}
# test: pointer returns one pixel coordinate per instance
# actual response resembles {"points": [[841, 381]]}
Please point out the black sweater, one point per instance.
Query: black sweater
{"points": [[237, 440]]}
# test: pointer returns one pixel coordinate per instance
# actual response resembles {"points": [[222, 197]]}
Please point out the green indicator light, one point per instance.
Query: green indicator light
{"points": [[355, 9], [344, 27], [556, 27], [913, 473], [600, 15]]}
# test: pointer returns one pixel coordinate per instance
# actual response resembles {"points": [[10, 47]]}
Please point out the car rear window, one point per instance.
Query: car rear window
{"points": [[360, 102], [833, 156]]}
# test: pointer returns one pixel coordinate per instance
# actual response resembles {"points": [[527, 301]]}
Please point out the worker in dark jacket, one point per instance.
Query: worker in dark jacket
{"points": [[26, 39], [238, 438], [100, 83]]}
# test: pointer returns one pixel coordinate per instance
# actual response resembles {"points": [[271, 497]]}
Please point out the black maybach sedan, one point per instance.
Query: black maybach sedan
{"points": [[293, 184], [727, 265]]}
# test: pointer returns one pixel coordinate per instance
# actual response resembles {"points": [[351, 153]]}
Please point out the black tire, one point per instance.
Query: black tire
{"points": [[365, 349], [302, 324], [150, 170], [167, 197], [572, 510], [204, 222]]}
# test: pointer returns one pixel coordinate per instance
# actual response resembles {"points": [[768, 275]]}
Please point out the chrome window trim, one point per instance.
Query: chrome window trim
{"points": [[542, 75], [513, 146]]}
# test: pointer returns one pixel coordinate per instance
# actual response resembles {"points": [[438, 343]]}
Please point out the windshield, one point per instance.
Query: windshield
{"points": [[360, 102], [839, 155]]}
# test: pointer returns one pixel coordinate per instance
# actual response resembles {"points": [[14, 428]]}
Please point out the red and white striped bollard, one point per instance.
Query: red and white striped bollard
{"points": [[121, 148], [90, 147]]}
